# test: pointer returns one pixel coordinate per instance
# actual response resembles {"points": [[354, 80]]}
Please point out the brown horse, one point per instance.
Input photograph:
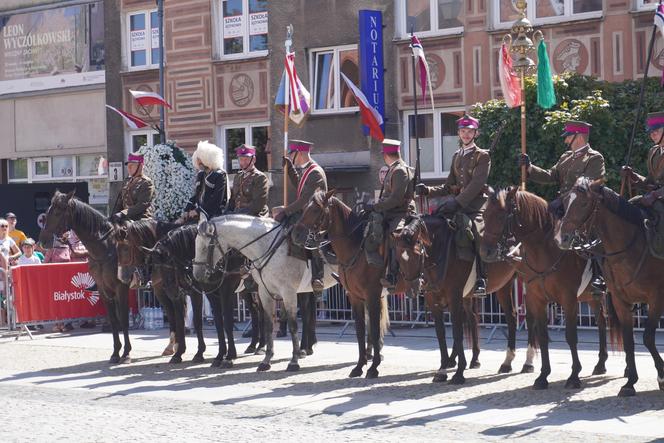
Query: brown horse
{"points": [[326, 214], [632, 274], [551, 275], [92, 228]]}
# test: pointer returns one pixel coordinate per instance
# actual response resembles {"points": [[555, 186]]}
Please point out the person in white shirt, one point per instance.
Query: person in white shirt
{"points": [[28, 257]]}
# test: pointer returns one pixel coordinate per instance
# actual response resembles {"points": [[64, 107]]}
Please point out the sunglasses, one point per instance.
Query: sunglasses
{"points": [[4, 226]]}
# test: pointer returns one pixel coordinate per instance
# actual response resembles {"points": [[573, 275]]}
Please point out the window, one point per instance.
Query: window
{"points": [[243, 25], [546, 11], [63, 167], [92, 165], [646, 4], [330, 93], [430, 17], [41, 168], [143, 50], [17, 169], [136, 139], [253, 134], [438, 141]]}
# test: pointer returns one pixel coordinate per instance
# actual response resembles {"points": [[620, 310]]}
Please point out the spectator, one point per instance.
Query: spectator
{"points": [[8, 247], [29, 257], [16, 234], [60, 253], [77, 249]]}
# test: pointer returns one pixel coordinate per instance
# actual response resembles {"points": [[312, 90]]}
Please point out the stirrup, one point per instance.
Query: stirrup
{"points": [[374, 259], [317, 285], [388, 282], [480, 288]]}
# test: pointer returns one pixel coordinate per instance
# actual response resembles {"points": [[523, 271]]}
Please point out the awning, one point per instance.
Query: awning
{"points": [[344, 161]]}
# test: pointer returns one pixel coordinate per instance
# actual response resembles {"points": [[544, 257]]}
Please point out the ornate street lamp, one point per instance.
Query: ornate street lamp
{"points": [[520, 44]]}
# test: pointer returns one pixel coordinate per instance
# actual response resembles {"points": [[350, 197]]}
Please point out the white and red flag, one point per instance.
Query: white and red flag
{"points": [[145, 98], [659, 22], [298, 99], [370, 115], [132, 121], [509, 81], [423, 67]]}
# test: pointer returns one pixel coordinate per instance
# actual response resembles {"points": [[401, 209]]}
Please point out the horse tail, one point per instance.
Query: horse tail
{"points": [[615, 329], [384, 316]]}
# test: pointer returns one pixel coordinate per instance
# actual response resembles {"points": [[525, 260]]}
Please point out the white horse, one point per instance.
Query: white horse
{"points": [[278, 275]]}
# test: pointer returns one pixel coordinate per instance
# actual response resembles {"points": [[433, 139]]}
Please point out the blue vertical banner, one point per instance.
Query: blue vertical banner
{"points": [[372, 78]]}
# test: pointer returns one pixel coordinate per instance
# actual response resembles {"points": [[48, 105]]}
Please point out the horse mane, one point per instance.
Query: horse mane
{"points": [[140, 232], [618, 205], [87, 217], [532, 209], [349, 217], [180, 241]]}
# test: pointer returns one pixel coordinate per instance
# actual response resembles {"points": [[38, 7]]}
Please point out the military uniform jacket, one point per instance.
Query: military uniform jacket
{"points": [[585, 162], [396, 196], [308, 179], [655, 177], [468, 177], [249, 194], [137, 195], [211, 193]]}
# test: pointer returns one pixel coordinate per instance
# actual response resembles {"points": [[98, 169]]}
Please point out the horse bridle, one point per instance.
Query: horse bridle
{"points": [[502, 248], [213, 245], [581, 240], [318, 231]]}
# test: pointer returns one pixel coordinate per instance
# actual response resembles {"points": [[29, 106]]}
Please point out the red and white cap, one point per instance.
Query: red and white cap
{"points": [[135, 158], [468, 122], [574, 127], [391, 146], [245, 151], [299, 146]]}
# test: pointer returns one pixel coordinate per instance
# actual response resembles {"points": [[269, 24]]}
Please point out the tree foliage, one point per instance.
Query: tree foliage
{"points": [[609, 107]]}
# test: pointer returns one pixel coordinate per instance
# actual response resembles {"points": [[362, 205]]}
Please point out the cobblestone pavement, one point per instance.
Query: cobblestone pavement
{"points": [[60, 387]]}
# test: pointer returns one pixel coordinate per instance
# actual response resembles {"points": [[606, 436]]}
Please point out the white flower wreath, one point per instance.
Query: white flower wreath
{"points": [[172, 173]]}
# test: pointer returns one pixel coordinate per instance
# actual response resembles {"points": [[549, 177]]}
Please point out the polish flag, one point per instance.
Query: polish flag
{"points": [[132, 121], [145, 98], [510, 83], [425, 73], [370, 116]]}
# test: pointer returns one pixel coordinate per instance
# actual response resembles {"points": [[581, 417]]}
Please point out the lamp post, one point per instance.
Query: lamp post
{"points": [[520, 44]]}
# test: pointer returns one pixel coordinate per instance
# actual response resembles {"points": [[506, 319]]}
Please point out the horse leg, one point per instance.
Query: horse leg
{"points": [[217, 314], [123, 320], [472, 324], [439, 324], [600, 319], [571, 311], [542, 334], [528, 365], [178, 299], [290, 305], [375, 320], [167, 304], [197, 307], [360, 333], [654, 314], [305, 306], [456, 311], [506, 302], [255, 321], [268, 311], [111, 312], [624, 312], [310, 330], [227, 299]]}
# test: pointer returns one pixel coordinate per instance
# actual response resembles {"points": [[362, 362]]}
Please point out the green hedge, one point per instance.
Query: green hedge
{"points": [[609, 107]]}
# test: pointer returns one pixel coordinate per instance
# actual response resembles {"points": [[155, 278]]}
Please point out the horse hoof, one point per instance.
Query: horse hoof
{"points": [[259, 351], [198, 358], [505, 369], [176, 359], [528, 369], [293, 367], [599, 370], [250, 350], [302, 353], [474, 365], [263, 367], [458, 379], [309, 351], [540, 384], [167, 352], [114, 359], [372, 373], [573, 383], [439, 377], [626, 391], [215, 363], [356, 372], [451, 364], [226, 364], [125, 360]]}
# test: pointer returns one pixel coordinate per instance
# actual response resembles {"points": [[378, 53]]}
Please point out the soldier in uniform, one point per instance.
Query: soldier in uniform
{"points": [[135, 199], [580, 160], [395, 205], [308, 177], [211, 191], [465, 188]]}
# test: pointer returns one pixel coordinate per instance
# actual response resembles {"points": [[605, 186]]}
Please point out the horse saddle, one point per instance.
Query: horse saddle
{"points": [[655, 230]]}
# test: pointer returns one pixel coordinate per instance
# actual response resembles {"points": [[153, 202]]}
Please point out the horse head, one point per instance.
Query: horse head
{"points": [[315, 219], [209, 253], [500, 210], [57, 218], [581, 204]]}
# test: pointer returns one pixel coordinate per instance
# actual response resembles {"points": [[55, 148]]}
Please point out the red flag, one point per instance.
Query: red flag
{"points": [[509, 81], [425, 74], [370, 116], [132, 121], [145, 98]]}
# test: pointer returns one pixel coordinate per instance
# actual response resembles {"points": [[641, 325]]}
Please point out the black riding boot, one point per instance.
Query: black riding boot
{"points": [[317, 274], [480, 282], [390, 279], [597, 282]]}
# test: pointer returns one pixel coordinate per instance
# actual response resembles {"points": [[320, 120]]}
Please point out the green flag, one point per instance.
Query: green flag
{"points": [[546, 96]]}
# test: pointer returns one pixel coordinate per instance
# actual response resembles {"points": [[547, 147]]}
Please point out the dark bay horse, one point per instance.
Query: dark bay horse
{"points": [[550, 275], [632, 274], [92, 228], [327, 214]]}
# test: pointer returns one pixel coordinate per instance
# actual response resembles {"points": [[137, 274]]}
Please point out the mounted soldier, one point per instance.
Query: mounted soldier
{"points": [[653, 183], [465, 189], [211, 190], [307, 176], [135, 199], [395, 205], [579, 160]]}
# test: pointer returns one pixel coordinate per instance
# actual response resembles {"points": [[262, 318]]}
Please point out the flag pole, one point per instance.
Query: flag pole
{"points": [[639, 105], [417, 135], [288, 44]]}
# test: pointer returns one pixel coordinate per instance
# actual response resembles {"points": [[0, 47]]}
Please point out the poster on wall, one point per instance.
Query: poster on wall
{"points": [[58, 47], [258, 23], [233, 26], [137, 40]]}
